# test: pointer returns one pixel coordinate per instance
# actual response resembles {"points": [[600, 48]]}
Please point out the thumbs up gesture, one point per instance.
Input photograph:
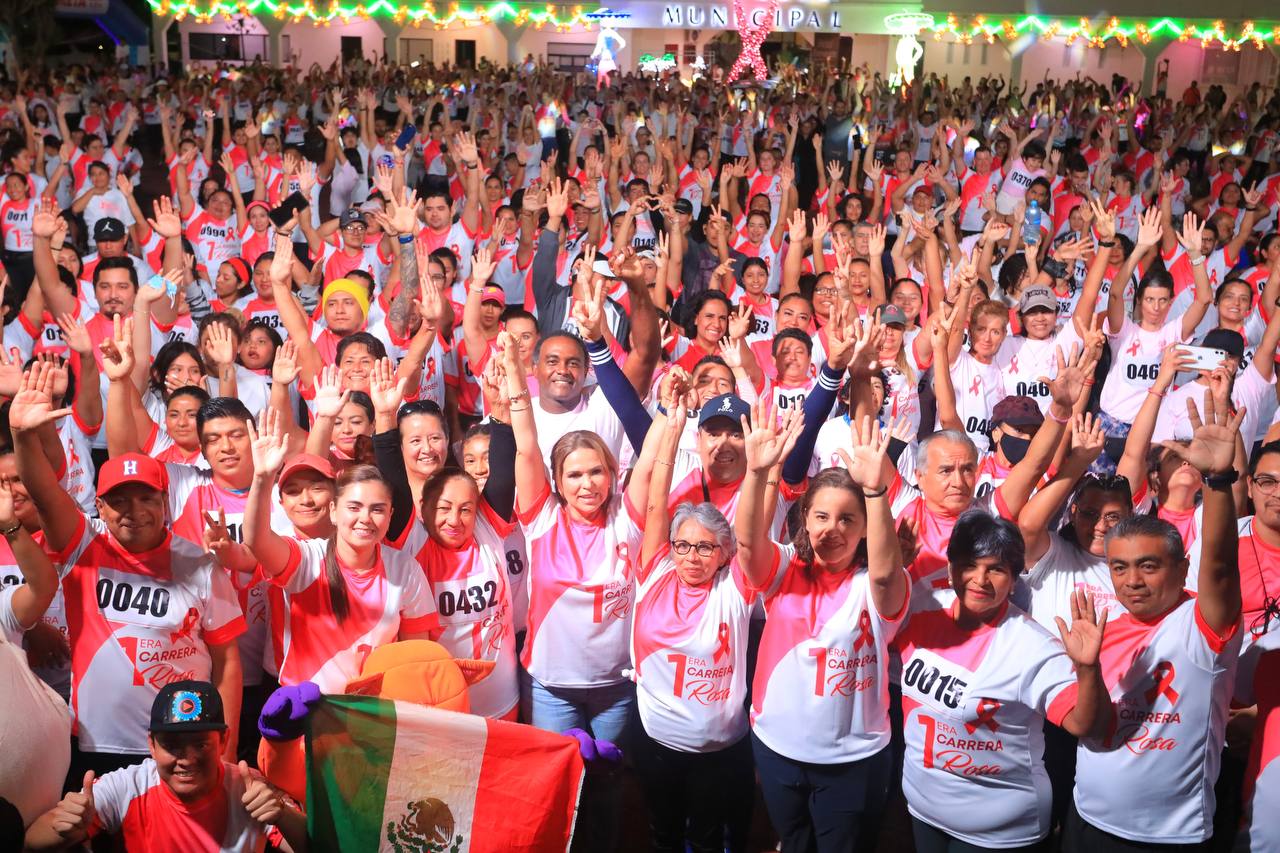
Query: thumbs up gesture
{"points": [[73, 816], [261, 800]]}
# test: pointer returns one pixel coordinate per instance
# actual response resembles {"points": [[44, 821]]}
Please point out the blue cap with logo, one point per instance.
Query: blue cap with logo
{"points": [[187, 706], [729, 406]]}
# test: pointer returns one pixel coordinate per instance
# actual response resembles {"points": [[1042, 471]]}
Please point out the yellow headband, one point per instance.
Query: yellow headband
{"points": [[345, 285]]}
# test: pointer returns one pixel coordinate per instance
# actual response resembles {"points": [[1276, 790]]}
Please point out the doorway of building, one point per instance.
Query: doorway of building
{"points": [[464, 53], [352, 48]]}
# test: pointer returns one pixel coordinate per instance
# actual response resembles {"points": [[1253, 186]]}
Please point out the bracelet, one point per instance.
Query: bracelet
{"points": [[406, 239], [664, 462], [1057, 419], [662, 410], [1088, 382], [879, 494], [10, 531], [771, 482], [1159, 394], [1107, 243], [1213, 481], [523, 395], [1197, 262], [511, 409], [1251, 209], [475, 164]]}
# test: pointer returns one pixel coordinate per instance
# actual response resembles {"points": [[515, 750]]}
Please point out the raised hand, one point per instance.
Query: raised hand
{"points": [[1191, 237], [1104, 222], [166, 222], [75, 334], [330, 398], [284, 369], [267, 447], [482, 266], [1066, 387], [1083, 640], [219, 345], [588, 313], [117, 350], [768, 441], [32, 407], [45, 220], [403, 215], [385, 390], [557, 198], [217, 536], [74, 815], [1087, 438], [865, 460], [1212, 448], [1149, 230]]}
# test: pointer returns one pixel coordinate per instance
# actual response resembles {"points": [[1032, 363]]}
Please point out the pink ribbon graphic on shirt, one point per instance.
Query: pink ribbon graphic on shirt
{"points": [[189, 622], [976, 385], [722, 634], [1133, 348], [864, 637], [1163, 673], [1013, 364], [986, 716]]}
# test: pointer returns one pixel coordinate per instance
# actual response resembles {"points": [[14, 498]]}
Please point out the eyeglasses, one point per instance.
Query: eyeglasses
{"points": [[1266, 485], [1092, 516], [825, 291], [704, 549]]}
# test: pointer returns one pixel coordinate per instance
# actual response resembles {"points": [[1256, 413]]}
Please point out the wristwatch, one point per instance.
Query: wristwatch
{"points": [[10, 531], [1214, 481]]}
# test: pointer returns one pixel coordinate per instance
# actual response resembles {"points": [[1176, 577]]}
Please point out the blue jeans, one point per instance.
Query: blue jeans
{"points": [[603, 711]]}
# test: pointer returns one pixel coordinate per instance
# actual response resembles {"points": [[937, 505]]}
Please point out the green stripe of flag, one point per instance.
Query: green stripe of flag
{"points": [[350, 742]]}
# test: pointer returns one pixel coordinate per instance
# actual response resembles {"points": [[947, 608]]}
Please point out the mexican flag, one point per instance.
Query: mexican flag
{"points": [[395, 776]]}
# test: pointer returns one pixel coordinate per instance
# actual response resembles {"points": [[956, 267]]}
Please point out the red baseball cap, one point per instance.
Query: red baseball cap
{"points": [[308, 462], [493, 293], [132, 468]]}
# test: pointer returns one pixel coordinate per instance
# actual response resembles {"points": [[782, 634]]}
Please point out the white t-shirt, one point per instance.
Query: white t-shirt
{"points": [[979, 387], [1171, 682], [1136, 355], [1057, 575], [974, 705], [821, 689], [593, 413], [689, 645], [581, 591], [1249, 391]]}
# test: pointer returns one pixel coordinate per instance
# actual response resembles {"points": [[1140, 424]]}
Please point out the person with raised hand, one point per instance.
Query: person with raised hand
{"points": [[183, 795], [131, 548], [1168, 663], [343, 594], [834, 598], [689, 643]]}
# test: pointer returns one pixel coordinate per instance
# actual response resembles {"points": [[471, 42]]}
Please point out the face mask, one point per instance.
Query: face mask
{"points": [[1015, 449]]}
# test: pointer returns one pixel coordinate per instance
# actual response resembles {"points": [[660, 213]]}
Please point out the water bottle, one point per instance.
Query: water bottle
{"points": [[1031, 224]]}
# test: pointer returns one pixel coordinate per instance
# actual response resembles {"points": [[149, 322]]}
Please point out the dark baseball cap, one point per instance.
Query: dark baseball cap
{"points": [[891, 314], [683, 205], [351, 216], [1017, 411], [187, 706], [108, 228], [729, 406], [1227, 340]]}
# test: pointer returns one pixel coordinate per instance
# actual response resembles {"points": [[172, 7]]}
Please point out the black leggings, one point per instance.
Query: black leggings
{"points": [[1083, 837], [694, 796], [930, 839], [824, 807]]}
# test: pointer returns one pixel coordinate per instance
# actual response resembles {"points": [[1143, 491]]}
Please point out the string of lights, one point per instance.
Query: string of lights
{"points": [[1098, 33], [439, 16]]}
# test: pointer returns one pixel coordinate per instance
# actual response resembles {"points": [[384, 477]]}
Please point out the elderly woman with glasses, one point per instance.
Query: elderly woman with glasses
{"points": [[689, 648]]}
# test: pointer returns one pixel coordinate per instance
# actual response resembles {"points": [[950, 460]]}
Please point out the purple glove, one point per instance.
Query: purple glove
{"points": [[286, 710], [597, 754]]}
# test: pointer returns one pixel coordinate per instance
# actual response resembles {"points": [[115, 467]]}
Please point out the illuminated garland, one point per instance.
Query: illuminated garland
{"points": [[752, 37], [424, 13], [1097, 34]]}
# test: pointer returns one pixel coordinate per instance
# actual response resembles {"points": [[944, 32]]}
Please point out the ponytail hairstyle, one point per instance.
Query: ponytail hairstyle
{"points": [[829, 478], [337, 585]]}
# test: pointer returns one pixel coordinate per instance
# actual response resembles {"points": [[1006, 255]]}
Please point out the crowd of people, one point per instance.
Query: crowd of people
{"points": [[824, 441]]}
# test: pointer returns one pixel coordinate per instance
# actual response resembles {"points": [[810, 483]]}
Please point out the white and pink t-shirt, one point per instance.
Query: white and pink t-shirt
{"points": [[821, 691], [1057, 575], [974, 704], [473, 603], [1136, 355], [215, 240], [137, 622], [1171, 680], [581, 592], [979, 387], [383, 602], [689, 644]]}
